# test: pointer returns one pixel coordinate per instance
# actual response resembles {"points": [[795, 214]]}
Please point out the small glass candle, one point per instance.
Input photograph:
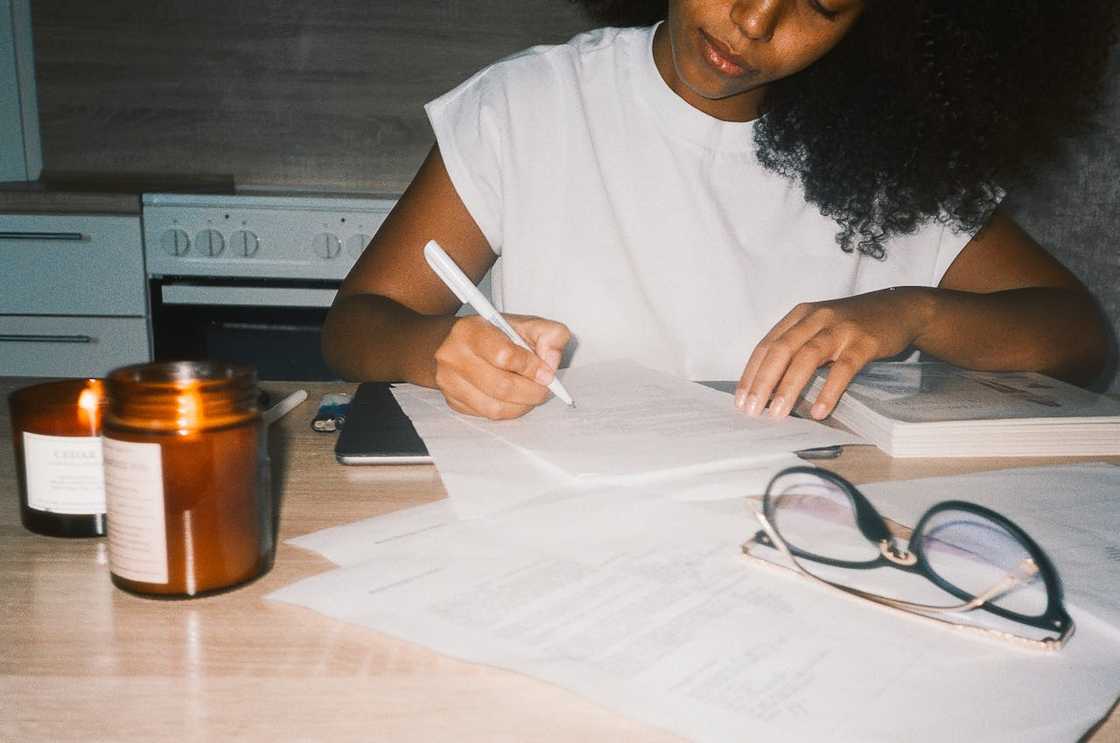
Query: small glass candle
{"points": [[56, 429], [186, 478]]}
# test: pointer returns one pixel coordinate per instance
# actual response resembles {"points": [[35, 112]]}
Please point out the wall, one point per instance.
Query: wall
{"points": [[311, 93], [1072, 207]]}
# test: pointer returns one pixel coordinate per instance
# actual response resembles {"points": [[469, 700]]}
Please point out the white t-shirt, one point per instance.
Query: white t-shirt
{"points": [[645, 225]]}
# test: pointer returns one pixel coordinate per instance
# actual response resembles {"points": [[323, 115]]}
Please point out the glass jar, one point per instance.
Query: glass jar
{"points": [[186, 478], [56, 430]]}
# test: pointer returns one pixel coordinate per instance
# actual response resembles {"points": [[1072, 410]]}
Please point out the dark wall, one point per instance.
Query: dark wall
{"points": [[1072, 207], [314, 93]]}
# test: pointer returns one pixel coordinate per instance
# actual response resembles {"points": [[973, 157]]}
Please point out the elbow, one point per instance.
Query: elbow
{"points": [[1083, 356], [333, 343]]}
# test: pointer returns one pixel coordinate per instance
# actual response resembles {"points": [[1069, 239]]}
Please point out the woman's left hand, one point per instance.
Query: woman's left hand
{"points": [[847, 332]]}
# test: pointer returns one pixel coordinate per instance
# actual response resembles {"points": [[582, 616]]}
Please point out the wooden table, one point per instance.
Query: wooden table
{"points": [[80, 659]]}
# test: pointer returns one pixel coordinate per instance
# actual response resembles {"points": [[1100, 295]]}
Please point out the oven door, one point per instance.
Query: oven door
{"points": [[275, 326]]}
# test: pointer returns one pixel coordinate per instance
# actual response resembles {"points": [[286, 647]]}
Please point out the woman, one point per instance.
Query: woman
{"points": [[751, 189]]}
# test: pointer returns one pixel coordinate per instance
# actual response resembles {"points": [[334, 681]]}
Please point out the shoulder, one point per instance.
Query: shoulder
{"points": [[557, 68]]}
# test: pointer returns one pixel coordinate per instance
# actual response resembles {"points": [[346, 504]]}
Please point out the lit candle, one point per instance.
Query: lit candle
{"points": [[56, 429]]}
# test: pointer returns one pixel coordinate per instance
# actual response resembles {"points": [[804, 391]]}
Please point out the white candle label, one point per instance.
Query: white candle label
{"points": [[64, 474], [134, 495]]}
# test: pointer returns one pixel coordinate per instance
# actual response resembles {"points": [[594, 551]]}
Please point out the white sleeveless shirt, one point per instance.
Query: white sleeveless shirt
{"points": [[645, 225]]}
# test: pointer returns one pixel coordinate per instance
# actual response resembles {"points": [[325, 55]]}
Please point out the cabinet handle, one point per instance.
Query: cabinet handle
{"points": [[69, 236], [46, 339]]}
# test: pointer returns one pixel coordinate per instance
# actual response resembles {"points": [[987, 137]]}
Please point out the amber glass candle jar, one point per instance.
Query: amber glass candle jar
{"points": [[56, 429], [186, 478]]}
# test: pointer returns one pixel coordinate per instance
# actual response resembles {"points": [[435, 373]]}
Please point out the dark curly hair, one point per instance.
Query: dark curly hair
{"points": [[927, 108]]}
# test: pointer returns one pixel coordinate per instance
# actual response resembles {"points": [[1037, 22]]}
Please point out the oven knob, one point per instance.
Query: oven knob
{"points": [[210, 242], [244, 243], [326, 245], [175, 242], [355, 244]]}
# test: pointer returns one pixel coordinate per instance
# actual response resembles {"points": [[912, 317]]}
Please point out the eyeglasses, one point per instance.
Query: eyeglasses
{"points": [[981, 571]]}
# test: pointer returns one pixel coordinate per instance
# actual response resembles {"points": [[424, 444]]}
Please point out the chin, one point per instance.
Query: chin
{"points": [[714, 87]]}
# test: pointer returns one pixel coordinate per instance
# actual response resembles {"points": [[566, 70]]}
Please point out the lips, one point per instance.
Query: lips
{"points": [[720, 57]]}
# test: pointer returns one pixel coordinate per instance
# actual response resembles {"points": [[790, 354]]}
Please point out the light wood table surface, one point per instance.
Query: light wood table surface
{"points": [[82, 660]]}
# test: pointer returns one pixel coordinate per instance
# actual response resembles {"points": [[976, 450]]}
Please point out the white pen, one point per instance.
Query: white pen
{"points": [[468, 293]]}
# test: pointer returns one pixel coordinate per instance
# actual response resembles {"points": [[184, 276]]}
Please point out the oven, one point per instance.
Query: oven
{"points": [[249, 278]]}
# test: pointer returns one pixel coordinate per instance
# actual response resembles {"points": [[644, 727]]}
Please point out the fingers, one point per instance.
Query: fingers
{"points": [[794, 336], [785, 361], [465, 398], [482, 372], [547, 337], [840, 375]]}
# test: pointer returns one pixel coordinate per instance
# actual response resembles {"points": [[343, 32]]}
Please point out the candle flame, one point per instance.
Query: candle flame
{"points": [[89, 406]]}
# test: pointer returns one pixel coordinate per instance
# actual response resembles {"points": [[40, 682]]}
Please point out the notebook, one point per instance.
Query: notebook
{"points": [[377, 431]]}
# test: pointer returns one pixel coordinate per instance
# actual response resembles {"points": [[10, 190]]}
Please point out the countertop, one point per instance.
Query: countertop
{"points": [[74, 194]]}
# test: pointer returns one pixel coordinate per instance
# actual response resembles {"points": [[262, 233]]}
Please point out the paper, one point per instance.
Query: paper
{"points": [[1071, 511], [510, 478], [645, 604], [632, 424]]}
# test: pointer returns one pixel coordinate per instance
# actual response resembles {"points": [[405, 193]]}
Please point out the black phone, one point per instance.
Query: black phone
{"points": [[377, 431]]}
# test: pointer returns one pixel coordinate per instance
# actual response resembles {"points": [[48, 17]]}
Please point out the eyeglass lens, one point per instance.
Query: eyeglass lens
{"points": [[816, 517], [976, 556], [968, 554]]}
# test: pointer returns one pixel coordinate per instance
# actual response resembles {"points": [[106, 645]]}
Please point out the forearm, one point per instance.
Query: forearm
{"points": [[370, 337], [1055, 331]]}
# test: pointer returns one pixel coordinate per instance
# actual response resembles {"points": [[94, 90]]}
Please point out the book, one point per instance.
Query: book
{"points": [[932, 409]]}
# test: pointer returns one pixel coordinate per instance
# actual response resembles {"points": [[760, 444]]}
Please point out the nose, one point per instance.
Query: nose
{"points": [[756, 19]]}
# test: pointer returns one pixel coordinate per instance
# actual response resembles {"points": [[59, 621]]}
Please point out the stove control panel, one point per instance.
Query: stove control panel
{"points": [[258, 236]]}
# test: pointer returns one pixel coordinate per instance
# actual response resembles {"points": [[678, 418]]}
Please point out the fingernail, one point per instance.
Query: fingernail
{"points": [[777, 406], [818, 411], [552, 358], [754, 405], [740, 398], [543, 376]]}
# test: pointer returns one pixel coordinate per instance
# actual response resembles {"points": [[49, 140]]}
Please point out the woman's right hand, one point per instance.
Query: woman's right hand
{"points": [[482, 372]]}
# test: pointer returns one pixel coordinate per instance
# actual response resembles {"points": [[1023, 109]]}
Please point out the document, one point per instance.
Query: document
{"points": [[632, 424], [510, 478], [644, 603], [1071, 511]]}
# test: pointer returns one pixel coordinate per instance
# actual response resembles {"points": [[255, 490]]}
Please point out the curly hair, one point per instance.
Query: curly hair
{"points": [[927, 109]]}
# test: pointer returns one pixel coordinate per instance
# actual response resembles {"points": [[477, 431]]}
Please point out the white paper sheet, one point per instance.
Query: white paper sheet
{"points": [[632, 424], [1071, 511], [644, 603]]}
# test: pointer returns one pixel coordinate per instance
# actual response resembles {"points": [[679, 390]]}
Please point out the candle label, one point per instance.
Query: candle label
{"points": [[134, 491], [64, 474]]}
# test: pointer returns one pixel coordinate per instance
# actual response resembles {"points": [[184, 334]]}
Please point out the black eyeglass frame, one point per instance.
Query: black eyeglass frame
{"points": [[874, 528]]}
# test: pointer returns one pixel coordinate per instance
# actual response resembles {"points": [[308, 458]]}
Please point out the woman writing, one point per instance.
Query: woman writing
{"points": [[748, 189]]}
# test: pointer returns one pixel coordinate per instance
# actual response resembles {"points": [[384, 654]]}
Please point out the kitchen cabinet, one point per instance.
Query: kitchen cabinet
{"points": [[73, 298], [20, 156]]}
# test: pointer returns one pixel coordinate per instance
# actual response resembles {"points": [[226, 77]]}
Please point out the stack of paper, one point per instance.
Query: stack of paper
{"points": [[554, 560], [632, 423], [645, 604], [935, 410]]}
